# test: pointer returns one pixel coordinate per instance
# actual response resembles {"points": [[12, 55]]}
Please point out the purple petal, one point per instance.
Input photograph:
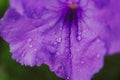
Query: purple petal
{"points": [[74, 48], [17, 5], [33, 8], [110, 17], [20, 31], [101, 3], [88, 53], [33, 43]]}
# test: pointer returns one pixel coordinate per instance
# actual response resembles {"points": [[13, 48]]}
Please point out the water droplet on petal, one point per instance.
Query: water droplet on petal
{"points": [[59, 39], [82, 62], [31, 46], [60, 70], [98, 55], [35, 49], [78, 50], [37, 59], [30, 39], [55, 43], [67, 50], [78, 70], [61, 28], [23, 55], [58, 53], [79, 37], [79, 33], [68, 78], [70, 55]]}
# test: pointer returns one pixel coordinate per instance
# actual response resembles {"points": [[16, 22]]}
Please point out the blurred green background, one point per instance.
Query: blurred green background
{"points": [[11, 70]]}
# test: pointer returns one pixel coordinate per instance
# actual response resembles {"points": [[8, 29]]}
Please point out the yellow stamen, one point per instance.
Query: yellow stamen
{"points": [[73, 6]]}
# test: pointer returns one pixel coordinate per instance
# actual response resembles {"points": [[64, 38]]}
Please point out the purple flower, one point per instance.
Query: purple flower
{"points": [[71, 37]]}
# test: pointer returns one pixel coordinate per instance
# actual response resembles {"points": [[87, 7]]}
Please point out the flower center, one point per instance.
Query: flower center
{"points": [[70, 15], [73, 5]]}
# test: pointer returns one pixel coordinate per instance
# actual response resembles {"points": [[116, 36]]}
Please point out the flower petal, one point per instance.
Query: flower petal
{"points": [[17, 5], [33, 8], [101, 3], [87, 54], [34, 42], [87, 63], [110, 17], [73, 51]]}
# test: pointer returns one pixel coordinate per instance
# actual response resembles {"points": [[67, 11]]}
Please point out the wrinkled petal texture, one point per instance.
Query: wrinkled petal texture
{"points": [[40, 32], [110, 17], [33, 8]]}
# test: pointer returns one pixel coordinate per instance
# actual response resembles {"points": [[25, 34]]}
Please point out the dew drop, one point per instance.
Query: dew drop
{"points": [[79, 37], [59, 39], [35, 30], [66, 50], [55, 43], [92, 48], [79, 33], [35, 49], [68, 78], [78, 50], [71, 56], [29, 40], [61, 28], [82, 62], [31, 46], [98, 55], [23, 55], [79, 70], [37, 59], [58, 53], [60, 70]]}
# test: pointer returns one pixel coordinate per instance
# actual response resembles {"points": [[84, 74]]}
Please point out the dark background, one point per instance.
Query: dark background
{"points": [[11, 70]]}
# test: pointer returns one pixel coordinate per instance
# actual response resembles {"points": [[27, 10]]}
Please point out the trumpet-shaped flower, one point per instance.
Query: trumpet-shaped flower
{"points": [[71, 36]]}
